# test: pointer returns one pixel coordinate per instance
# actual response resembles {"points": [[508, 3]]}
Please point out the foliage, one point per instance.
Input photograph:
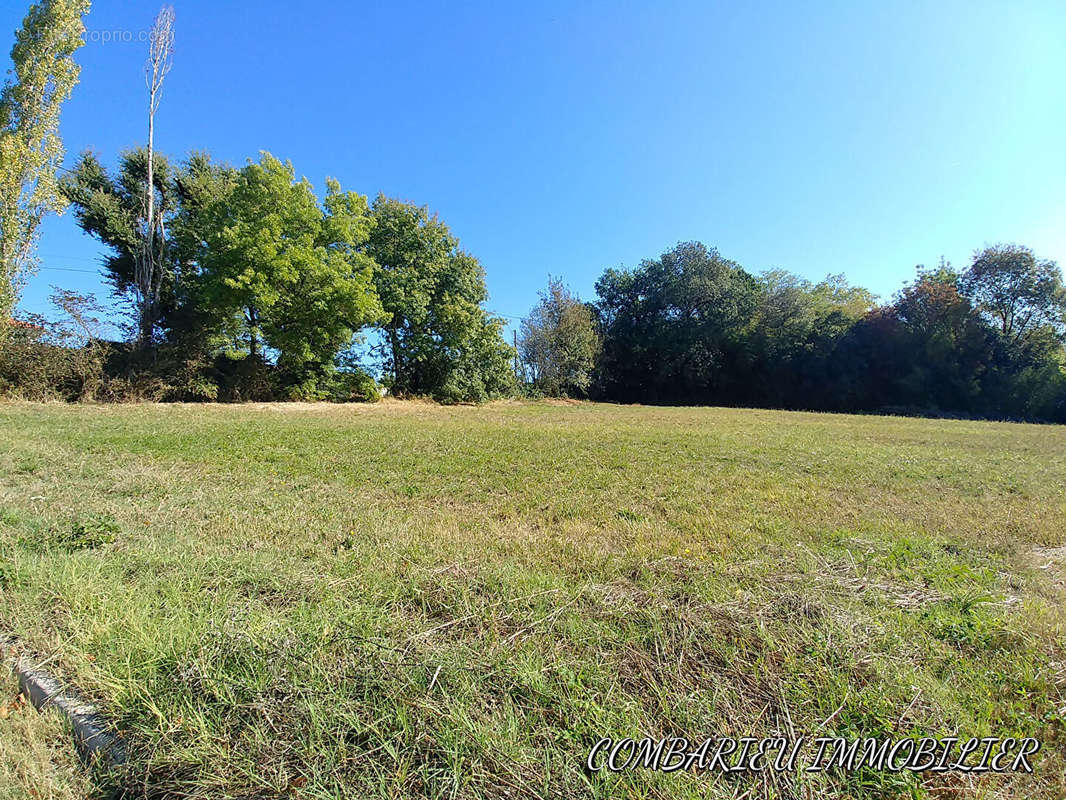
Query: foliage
{"points": [[944, 344], [277, 270], [437, 339], [1020, 293], [559, 343], [112, 210], [692, 327], [255, 269], [673, 327], [353, 385], [58, 359], [265, 289], [30, 148], [89, 532], [795, 328]]}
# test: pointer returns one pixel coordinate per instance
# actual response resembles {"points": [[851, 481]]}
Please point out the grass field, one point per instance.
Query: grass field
{"points": [[407, 600]]}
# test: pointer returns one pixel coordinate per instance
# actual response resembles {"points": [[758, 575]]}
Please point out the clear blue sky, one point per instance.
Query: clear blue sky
{"points": [[566, 137]]}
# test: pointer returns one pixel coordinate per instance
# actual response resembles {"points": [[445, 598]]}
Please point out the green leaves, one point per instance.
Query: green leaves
{"points": [[257, 267], [559, 342], [1018, 292], [30, 148], [674, 325], [277, 269], [438, 340]]}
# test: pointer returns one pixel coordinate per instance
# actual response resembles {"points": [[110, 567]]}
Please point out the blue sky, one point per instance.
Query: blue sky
{"points": [[564, 138]]}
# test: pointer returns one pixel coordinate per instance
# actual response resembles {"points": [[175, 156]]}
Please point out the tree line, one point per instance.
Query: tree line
{"points": [[241, 283], [262, 287], [245, 284], [693, 327]]}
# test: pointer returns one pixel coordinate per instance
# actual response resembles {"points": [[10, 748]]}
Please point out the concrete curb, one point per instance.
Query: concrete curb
{"points": [[93, 734]]}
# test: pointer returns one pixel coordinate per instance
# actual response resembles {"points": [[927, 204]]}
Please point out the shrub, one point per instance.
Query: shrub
{"points": [[60, 359], [34, 367], [353, 386], [248, 379]]}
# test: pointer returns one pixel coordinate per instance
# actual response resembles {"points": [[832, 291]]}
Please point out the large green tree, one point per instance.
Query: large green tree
{"points": [[282, 274], [675, 326], [30, 148], [437, 339], [796, 325], [948, 347]]}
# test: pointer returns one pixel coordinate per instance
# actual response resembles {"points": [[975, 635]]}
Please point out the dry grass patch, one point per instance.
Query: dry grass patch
{"points": [[37, 755]]}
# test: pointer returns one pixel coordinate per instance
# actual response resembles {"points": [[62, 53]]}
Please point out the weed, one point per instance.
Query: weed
{"points": [[89, 532]]}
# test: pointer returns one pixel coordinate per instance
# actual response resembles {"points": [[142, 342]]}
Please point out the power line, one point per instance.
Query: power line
{"points": [[71, 269], [65, 258], [83, 260]]}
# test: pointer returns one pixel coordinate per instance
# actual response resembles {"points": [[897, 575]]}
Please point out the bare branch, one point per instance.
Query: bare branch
{"points": [[160, 52]]}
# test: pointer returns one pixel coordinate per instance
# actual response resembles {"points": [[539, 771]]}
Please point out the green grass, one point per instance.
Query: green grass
{"points": [[406, 600]]}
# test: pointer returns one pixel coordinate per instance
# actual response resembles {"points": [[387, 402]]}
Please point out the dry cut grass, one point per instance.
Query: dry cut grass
{"points": [[37, 761]]}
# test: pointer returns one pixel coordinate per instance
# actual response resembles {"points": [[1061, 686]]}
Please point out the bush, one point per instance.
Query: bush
{"points": [[247, 379], [354, 386], [38, 361]]}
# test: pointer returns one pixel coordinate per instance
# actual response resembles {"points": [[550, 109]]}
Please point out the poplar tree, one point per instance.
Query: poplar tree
{"points": [[44, 74]]}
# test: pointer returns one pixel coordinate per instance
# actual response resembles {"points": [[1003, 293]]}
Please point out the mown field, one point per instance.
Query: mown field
{"points": [[407, 600]]}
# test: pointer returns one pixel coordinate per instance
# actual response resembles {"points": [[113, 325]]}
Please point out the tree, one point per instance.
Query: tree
{"points": [[437, 339], [200, 187], [949, 347], [559, 342], [944, 272], [112, 209], [674, 328], [278, 271], [45, 74], [149, 267], [1018, 292], [795, 330]]}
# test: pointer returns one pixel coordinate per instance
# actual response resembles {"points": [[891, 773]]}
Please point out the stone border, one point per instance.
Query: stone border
{"points": [[93, 734]]}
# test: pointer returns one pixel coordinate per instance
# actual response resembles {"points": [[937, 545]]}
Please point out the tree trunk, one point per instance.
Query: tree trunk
{"points": [[253, 345], [149, 251], [397, 381]]}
